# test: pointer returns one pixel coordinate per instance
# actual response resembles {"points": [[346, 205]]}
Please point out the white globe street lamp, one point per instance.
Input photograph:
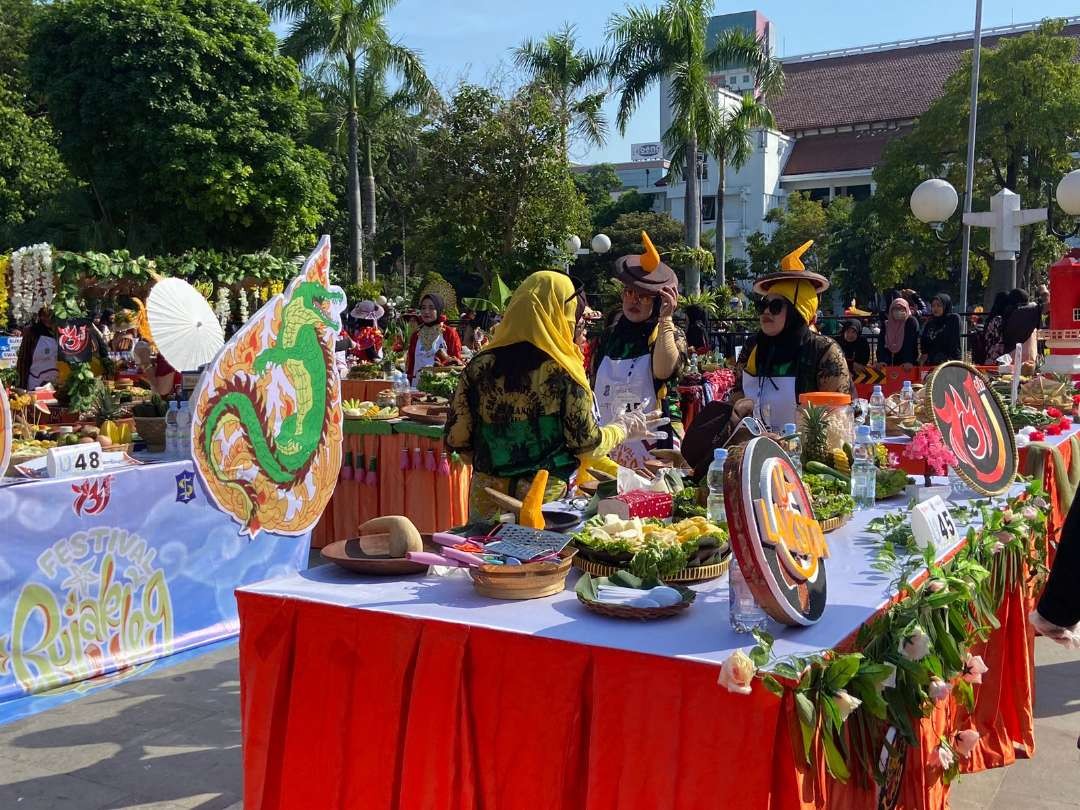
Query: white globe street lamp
{"points": [[572, 244], [601, 243], [1068, 193], [933, 202]]}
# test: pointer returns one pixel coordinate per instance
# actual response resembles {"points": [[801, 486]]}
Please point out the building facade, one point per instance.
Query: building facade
{"points": [[838, 112]]}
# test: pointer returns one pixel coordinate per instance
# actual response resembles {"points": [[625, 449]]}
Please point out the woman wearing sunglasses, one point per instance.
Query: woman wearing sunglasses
{"points": [[641, 352], [785, 358]]}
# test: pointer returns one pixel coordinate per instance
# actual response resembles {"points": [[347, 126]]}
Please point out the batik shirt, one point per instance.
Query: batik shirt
{"points": [[515, 433]]}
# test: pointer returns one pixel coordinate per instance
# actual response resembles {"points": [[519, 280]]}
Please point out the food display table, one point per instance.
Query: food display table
{"points": [[409, 480], [103, 573], [419, 693], [363, 390]]}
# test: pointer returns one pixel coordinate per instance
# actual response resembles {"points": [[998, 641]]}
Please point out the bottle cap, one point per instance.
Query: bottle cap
{"points": [[877, 389], [790, 428], [719, 454], [862, 432], [907, 384]]}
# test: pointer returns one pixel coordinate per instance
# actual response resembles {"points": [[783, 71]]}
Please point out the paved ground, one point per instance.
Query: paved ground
{"points": [[172, 740]]}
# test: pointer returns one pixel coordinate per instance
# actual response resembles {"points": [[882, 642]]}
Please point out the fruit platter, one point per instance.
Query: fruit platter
{"points": [[688, 550], [355, 409]]}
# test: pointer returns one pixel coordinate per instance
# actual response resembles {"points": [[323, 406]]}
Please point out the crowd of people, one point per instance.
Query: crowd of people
{"points": [[911, 332]]}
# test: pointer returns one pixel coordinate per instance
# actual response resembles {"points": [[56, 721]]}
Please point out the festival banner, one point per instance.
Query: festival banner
{"points": [[102, 575], [266, 419]]}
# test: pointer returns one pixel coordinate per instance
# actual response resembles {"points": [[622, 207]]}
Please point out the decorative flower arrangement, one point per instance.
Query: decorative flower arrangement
{"points": [[244, 312], [928, 447], [5, 265], [222, 308], [32, 283]]}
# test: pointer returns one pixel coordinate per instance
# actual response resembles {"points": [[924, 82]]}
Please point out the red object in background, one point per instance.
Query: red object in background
{"points": [[1037, 436], [638, 503], [1053, 413]]}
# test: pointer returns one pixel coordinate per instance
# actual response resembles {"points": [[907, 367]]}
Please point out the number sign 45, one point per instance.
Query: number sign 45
{"points": [[75, 459], [932, 523]]}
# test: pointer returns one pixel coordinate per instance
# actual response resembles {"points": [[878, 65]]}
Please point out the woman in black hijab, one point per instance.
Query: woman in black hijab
{"points": [[856, 347], [940, 340], [1021, 322]]}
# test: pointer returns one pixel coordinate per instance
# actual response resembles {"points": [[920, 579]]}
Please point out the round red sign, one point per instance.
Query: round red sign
{"points": [[780, 547]]}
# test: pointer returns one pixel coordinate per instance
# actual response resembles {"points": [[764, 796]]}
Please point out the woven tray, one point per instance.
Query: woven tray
{"points": [[639, 614], [529, 581], [694, 573], [834, 523]]}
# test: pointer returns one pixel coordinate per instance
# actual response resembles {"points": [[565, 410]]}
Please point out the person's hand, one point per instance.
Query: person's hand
{"points": [[640, 425], [669, 300]]}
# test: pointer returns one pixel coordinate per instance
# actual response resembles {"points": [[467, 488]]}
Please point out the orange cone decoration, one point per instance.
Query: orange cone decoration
{"points": [[650, 260]]}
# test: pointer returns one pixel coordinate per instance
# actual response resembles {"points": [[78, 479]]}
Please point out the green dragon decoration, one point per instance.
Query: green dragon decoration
{"points": [[281, 458]]}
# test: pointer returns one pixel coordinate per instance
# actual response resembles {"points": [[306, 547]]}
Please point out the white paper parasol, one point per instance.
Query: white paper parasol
{"points": [[185, 329]]}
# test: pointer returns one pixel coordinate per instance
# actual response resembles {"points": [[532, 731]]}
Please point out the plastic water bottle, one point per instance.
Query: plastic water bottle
{"points": [[793, 446], [863, 471], [907, 401], [745, 612], [171, 435], [877, 415], [183, 430], [715, 480]]}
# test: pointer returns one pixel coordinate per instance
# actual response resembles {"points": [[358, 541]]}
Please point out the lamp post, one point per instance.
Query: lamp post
{"points": [[601, 243], [1068, 198], [934, 201]]}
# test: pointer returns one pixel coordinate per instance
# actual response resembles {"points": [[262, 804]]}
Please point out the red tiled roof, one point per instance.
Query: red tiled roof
{"points": [[841, 152], [888, 85]]}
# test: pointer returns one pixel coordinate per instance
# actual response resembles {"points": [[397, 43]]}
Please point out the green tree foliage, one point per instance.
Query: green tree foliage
{"points": [[15, 24], [625, 233], [495, 193], [597, 186], [31, 171], [1028, 125], [672, 41], [575, 79], [353, 34], [182, 120], [801, 220]]}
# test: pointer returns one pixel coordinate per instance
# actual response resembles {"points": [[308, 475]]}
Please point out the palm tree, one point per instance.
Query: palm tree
{"points": [[351, 31], [574, 77], [378, 111], [731, 139], [672, 42]]}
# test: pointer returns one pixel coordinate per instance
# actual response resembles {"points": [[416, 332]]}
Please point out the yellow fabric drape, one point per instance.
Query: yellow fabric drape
{"points": [[543, 312]]}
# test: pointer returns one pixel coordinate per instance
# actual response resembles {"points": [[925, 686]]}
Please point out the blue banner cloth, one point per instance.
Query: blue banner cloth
{"points": [[101, 575]]}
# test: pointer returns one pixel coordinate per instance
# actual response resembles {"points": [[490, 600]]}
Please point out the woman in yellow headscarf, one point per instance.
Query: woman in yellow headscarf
{"points": [[786, 358], [524, 403]]}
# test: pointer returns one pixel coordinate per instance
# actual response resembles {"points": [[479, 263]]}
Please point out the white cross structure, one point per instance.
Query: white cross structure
{"points": [[1004, 219]]}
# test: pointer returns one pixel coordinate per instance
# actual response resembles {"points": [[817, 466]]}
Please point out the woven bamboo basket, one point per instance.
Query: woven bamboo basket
{"points": [[834, 523], [151, 429], [639, 614], [529, 581], [692, 573]]}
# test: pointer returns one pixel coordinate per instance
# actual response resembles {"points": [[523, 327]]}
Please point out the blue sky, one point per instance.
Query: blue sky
{"points": [[471, 39]]}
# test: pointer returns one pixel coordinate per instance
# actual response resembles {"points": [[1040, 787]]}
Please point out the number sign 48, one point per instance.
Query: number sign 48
{"points": [[75, 459]]}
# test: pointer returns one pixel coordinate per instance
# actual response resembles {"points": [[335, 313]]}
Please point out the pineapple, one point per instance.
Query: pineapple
{"points": [[106, 411], [815, 434]]}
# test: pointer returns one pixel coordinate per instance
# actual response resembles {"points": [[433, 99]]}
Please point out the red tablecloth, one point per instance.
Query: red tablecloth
{"points": [[345, 707]]}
